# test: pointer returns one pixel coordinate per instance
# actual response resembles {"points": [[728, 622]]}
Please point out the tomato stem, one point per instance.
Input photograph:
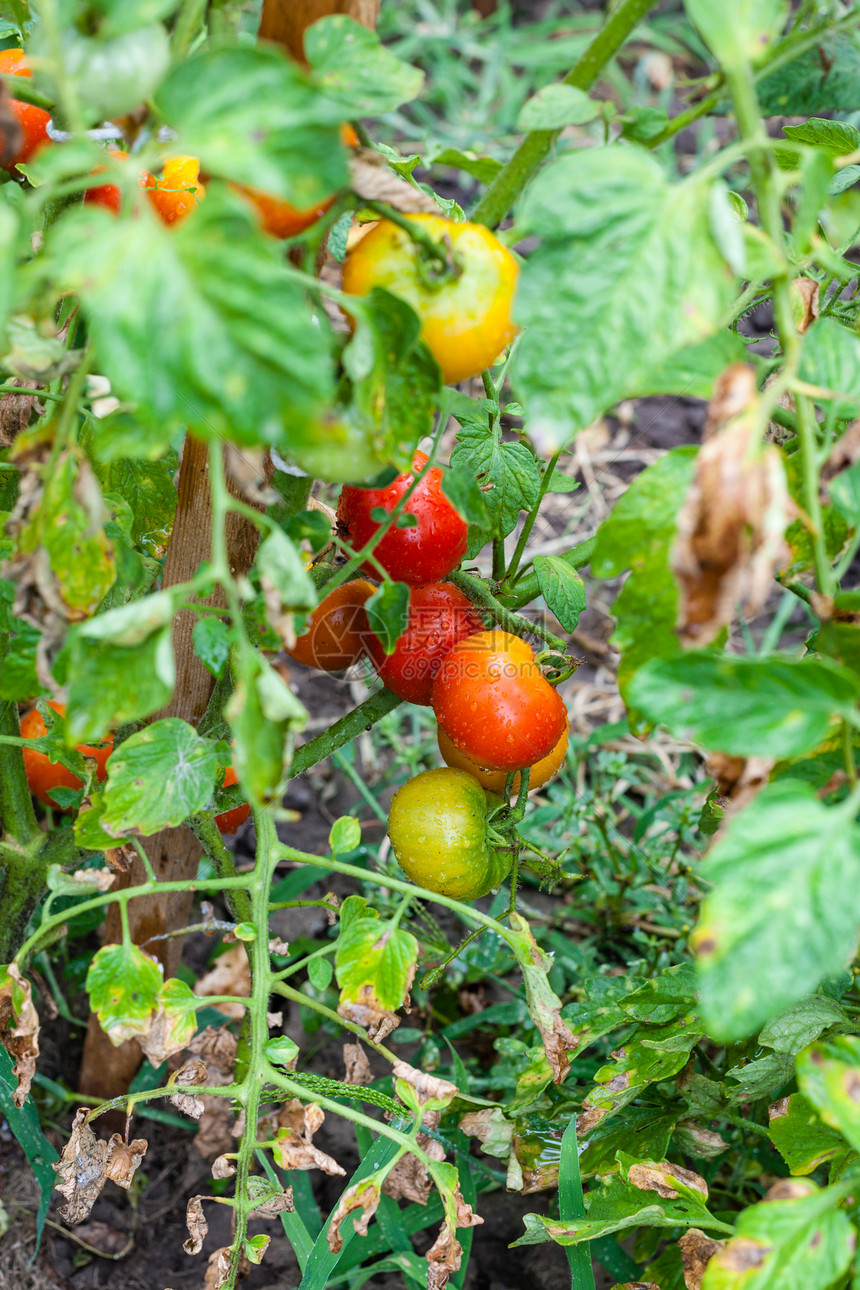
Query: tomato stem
{"points": [[431, 251], [480, 594]]}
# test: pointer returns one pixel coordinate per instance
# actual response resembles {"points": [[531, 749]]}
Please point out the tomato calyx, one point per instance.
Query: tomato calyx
{"points": [[436, 262]]}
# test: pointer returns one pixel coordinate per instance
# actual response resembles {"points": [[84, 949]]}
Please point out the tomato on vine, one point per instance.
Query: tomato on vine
{"points": [[107, 195], [439, 616], [424, 553], [279, 217], [43, 775], [494, 703], [179, 190], [338, 630], [32, 120], [494, 780], [229, 821], [439, 833], [465, 317]]}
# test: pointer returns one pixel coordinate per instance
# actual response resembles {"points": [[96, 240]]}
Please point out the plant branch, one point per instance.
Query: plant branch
{"points": [[479, 594]]}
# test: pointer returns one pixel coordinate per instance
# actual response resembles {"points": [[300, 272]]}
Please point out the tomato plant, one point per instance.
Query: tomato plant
{"points": [[528, 402], [439, 616], [438, 831], [420, 553]]}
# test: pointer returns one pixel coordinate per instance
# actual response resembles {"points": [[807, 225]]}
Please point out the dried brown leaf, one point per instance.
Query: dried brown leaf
{"points": [[427, 1086], [844, 453], [275, 1205], [101, 1236], [196, 1224], [805, 302], [19, 1030], [697, 1250], [248, 471], [15, 409], [217, 1047], [790, 1189], [742, 1254], [218, 1269], [123, 1159], [374, 180], [223, 1166], [293, 1147], [357, 1065], [445, 1254], [362, 1196], [277, 946], [119, 858], [81, 1170], [230, 974], [191, 1072], [731, 528], [660, 1176]]}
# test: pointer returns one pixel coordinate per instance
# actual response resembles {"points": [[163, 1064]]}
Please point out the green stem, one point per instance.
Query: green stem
{"points": [[479, 594], [42, 394], [186, 27], [209, 836], [512, 179], [21, 88], [532, 516], [429, 247], [16, 805]]}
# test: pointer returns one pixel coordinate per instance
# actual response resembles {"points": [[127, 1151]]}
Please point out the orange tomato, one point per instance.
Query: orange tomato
{"points": [[107, 195], [494, 780], [278, 217], [229, 821], [32, 120], [42, 773], [179, 190], [338, 629]]}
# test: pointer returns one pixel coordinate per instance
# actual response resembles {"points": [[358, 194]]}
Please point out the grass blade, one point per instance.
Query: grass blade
{"points": [[570, 1206]]}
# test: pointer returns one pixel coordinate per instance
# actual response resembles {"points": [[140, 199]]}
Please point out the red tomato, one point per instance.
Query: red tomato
{"points": [[229, 821], [494, 703], [107, 195], [426, 553], [42, 773], [278, 217], [338, 630], [32, 120], [494, 780], [179, 190], [439, 616]]}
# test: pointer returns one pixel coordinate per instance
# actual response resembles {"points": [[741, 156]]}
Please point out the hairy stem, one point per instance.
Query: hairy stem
{"points": [[479, 594]]}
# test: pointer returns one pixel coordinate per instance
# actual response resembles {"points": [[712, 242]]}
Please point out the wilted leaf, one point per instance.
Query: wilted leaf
{"points": [[664, 1178], [356, 1065], [123, 984], [446, 1253], [697, 1250], [19, 1029], [362, 1196], [196, 1224], [229, 974], [374, 964], [81, 1169], [123, 1159], [730, 539], [293, 1147], [544, 1005], [174, 1023], [217, 1269]]}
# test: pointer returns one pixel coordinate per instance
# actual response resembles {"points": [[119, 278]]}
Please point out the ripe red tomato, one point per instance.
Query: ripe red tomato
{"points": [[338, 630], [494, 703], [426, 553], [466, 321], [178, 191], [439, 616], [229, 821], [438, 830], [42, 773], [32, 120], [494, 780], [107, 195]]}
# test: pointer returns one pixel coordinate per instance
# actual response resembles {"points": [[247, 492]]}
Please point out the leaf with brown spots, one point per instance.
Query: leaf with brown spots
{"points": [[543, 1004], [81, 1170], [356, 1065], [669, 1181], [363, 1196], [800, 1137], [697, 1250], [828, 1074], [293, 1148], [19, 1029]]}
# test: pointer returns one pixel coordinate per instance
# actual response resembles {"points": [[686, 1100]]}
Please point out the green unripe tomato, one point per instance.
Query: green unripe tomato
{"points": [[438, 830]]}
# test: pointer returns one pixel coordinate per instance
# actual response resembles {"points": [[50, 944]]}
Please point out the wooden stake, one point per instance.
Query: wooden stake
{"points": [[283, 22]]}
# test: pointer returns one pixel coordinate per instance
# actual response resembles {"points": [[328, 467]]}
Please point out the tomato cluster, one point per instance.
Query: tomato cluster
{"points": [[44, 775]]}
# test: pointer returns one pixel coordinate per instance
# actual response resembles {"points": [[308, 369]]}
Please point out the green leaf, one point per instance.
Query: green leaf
{"points": [[484, 169], [252, 115], [636, 1130], [345, 835], [738, 31], [799, 1025], [556, 106], [845, 178], [831, 358], [562, 588], [264, 716], [622, 254], [18, 679], [157, 778], [353, 68], [799, 1136], [828, 1074], [388, 613], [834, 136], [211, 639], [110, 684], [823, 79], [374, 962], [68, 525], [618, 1205], [464, 493], [320, 973], [780, 706], [507, 473], [281, 1050], [283, 575], [24, 1123], [234, 355], [800, 1241], [148, 488], [775, 923], [649, 1057], [123, 984], [639, 534], [113, 76], [693, 371]]}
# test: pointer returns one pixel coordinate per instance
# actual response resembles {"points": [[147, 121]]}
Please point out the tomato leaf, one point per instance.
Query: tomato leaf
{"points": [[374, 962], [827, 1074], [388, 613], [775, 923], [148, 488], [831, 358], [110, 684], [264, 716], [507, 472], [738, 31], [823, 79], [157, 778], [235, 355], [780, 705], [556, 106], [799, 1135], [211, 638], [562, 588], [345, 835], [622, 253], [352, 67], [464, 493], [123, 984]]}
